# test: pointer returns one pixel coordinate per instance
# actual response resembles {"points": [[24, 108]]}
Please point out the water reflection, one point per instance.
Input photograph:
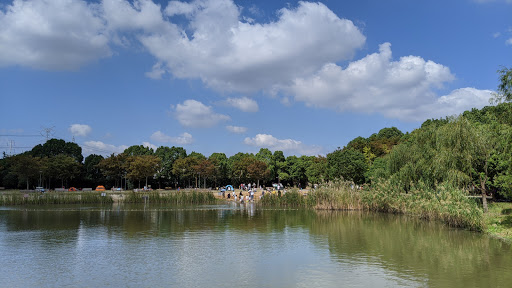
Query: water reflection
{"points": [[227, 245]]}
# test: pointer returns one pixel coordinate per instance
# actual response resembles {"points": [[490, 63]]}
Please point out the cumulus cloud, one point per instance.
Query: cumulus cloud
{"points": [[57, 34], [285, 145], [228, 54], [209, 40], [80, 130], [236, 129], [377, 84], [183, 139], [509, 41], [245, 104], [193, 113], [454, 103], [98, 147]]}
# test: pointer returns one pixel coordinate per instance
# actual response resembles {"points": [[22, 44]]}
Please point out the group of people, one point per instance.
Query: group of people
{"points": [[247, 187], [241, 197]]}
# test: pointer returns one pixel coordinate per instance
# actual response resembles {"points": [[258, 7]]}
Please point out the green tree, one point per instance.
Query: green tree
{"points": [[317, 170], [114, 167], [347, 164], [93, 174], [221, 168], [168, 156], [142, 167], [26, 168], [504, 93], [54, 147], [63, 167], [138, 150], [257, 170], [239, 167]]}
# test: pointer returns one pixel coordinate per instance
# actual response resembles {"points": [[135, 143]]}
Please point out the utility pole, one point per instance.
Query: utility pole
{"points": [[11, 147]]}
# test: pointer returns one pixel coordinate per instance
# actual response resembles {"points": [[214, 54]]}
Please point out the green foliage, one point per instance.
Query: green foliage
{"points": [[54, 147], [221, 168], [445, 204], [138, 150], [142, 167], [317, 170], [390, 133], [168, 155], [63, 167], [347, 164], [26, 168], [504, 92], [114, 167], [93, 174]]}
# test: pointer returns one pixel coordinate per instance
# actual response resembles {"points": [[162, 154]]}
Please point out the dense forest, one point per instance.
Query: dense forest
{"points": [[472, 151]]}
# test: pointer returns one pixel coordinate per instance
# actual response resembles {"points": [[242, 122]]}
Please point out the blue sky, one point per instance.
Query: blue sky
{"points": [[236, 76]]}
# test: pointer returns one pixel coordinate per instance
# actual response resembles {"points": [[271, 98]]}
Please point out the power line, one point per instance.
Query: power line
{"points": [[14, 135]]}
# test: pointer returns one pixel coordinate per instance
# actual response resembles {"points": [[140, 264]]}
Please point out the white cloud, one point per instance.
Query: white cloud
{"points": [[454, 103], [98, 147], [183, 139], [231, 55], [509, 41], [56, 34], [245, 104], [489, 1], [193, 113], [285, 145], [80, 130], [376, 84], [156, 72], [149, 145], [236, 129]]}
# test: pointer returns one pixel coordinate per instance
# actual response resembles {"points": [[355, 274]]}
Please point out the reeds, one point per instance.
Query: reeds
{"points": [[178, 197], [331, 196], [54, 198], [446, 204]]}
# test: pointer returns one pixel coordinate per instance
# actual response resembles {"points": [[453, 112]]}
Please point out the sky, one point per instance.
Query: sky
{"points": [[236, 76]]}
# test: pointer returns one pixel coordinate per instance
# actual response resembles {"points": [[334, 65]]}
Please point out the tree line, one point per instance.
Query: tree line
{"points": [[58, 163], [472, 151]]}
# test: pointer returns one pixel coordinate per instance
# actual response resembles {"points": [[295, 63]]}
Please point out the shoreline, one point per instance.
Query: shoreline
{"points": [[497, 223]]}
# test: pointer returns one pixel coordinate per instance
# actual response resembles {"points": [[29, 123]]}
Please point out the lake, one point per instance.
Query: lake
{"points": [[236, 245]]}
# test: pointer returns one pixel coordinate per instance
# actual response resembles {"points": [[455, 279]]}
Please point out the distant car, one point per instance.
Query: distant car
{"points": [[100, 188], [72, 189], [40, 189]]}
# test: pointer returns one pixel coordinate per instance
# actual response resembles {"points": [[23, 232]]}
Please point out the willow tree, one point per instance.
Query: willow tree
{"points": [[504, 92]]}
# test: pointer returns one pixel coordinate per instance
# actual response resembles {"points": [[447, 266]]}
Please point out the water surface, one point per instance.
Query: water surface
{"points": [[239, 246]]}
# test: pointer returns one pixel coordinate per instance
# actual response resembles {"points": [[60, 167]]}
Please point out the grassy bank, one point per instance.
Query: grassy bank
{"points": [[448, 205], [499, 221], [178, 197], [53, 198]]}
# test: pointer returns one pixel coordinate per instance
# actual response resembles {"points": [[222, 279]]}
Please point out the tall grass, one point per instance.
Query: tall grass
{"points": [[178, 197], [446, 204], [331, 196], [54, 198]]}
